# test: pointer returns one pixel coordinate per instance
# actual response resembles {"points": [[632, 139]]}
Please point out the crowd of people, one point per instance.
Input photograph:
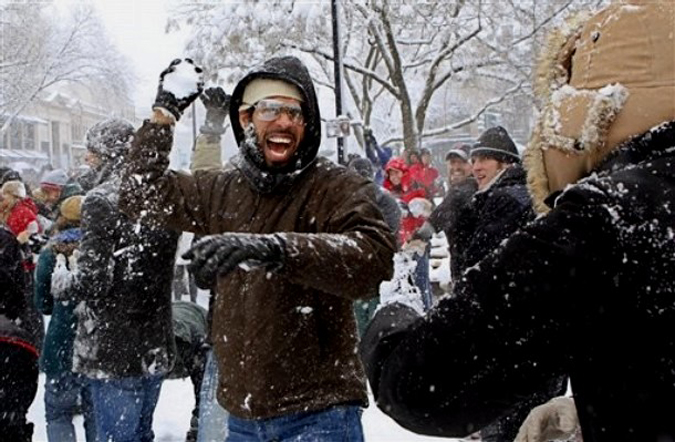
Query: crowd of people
{"points": [[554, 254]]}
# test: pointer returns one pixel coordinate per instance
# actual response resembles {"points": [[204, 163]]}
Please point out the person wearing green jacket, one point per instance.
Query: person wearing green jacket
{"points": [[64, 390]]}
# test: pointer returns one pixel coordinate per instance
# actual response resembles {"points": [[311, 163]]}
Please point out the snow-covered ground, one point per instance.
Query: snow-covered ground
{"points": [[172, 418]]}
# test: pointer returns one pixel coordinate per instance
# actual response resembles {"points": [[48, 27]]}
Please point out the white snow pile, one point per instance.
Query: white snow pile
{"points": [[183, 81], [401, 288]]}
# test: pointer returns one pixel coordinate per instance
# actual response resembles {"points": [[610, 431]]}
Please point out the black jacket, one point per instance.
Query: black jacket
{"points": [[12, 276], [124, 291], [586, 290], [492, 216], [455, 217]]}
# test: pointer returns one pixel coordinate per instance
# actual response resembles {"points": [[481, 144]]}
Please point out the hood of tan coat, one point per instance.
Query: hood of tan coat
{"points": [[601, 81]]}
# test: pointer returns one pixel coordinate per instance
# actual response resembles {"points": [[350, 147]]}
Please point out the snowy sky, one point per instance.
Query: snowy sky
{"points": [[137, 28]]}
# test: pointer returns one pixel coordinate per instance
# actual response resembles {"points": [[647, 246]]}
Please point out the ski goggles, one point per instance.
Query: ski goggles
{"points": [[271, 110]]}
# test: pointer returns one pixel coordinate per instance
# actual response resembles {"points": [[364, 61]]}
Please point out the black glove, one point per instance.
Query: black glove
{"points": [[166, 98], [220, 254], [36, 242], [217, 104], [424, 233]]}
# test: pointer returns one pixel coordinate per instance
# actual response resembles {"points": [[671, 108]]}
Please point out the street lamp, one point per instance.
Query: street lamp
{"points": [[337, 61]]}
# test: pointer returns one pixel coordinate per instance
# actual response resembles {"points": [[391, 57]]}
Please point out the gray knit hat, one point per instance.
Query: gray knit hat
{"points": [[496, 143], [110, 138]]}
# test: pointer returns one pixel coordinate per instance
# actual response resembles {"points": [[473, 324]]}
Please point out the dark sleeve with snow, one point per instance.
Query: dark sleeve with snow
{"points": [[503, 336], [153, 194], [94, 276]]}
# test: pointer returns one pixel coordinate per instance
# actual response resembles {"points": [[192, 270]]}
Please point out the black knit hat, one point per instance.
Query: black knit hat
{"points": [[496, 143], [362, 166]]}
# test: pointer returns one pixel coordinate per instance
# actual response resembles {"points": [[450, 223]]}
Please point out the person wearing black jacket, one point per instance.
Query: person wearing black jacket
{"points": [[584, 290], [124, 342], [18, 351]]}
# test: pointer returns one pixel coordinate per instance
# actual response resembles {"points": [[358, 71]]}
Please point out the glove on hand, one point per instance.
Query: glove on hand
{"points": [[217, 104], [220, 254], [62, 278], [424, 233], [179, 85], [36, 242], [556, 419]]}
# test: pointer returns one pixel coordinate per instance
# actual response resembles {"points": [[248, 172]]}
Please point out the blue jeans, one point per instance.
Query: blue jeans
{"points": [[422, 278], [63, 393], [212, 417], [335, 424], [124, 407]]}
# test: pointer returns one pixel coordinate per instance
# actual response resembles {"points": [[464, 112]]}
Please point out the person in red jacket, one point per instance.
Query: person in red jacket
{"points": [[18, 211], [423, 175], [415, 210]]}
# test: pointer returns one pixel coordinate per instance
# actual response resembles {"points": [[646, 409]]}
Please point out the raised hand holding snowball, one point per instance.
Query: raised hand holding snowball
{"points": [[220, 254], [179, 85]]}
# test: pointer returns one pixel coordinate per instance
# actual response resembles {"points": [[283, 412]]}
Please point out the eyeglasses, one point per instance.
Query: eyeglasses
{"points": [[270, 110]]}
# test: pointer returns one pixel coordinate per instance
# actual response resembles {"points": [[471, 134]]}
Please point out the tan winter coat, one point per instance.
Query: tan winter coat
{"points": [[286, 340]]}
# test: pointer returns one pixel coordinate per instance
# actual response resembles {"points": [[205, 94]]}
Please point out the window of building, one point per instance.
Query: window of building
{"points": [[29, 136], [15, 135]]}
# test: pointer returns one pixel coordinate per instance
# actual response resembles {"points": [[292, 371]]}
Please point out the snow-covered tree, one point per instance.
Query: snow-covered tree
{"points": [[42, 47], [398, 55]]}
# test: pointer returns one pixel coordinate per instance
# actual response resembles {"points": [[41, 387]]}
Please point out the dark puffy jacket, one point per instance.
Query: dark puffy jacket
{"points": [[455, 217], [123, 291], [586, 290], [493, 215]]}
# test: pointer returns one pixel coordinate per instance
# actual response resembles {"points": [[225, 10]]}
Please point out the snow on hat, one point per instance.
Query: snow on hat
{"points": [[459, 150], [496, 143], [601, 80], [110, 138], [54, 179], [71, 208], [14, 188], [261, 88]]}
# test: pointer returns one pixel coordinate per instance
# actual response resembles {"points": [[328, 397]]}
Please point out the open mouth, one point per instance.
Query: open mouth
{"points": [[280, 146]]}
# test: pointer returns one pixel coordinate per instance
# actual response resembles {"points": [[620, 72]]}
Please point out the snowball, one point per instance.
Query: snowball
{"points": [[183, 81]]}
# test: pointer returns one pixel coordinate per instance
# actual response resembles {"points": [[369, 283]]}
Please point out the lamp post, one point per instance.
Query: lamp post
{"points": [[337, 61]]}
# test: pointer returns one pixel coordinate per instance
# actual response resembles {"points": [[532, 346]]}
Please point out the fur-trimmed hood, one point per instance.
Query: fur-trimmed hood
{"points": [[601, 81]]}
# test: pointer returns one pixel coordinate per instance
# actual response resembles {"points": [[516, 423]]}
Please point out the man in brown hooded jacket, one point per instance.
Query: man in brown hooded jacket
{"points": [[305, 239]]}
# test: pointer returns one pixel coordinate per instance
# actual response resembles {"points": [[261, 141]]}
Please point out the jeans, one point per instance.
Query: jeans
{"points": [[335, 424], [63, 393], [124, 407], [422, 278], [212, 417]]}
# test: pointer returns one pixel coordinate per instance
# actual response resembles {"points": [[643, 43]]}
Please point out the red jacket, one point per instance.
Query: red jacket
{"points": [[23, 213], [422, 176], [406, 191]]}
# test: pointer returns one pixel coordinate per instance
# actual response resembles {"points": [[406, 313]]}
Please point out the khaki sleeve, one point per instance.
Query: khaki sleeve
{"points": [[207, 153]]}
